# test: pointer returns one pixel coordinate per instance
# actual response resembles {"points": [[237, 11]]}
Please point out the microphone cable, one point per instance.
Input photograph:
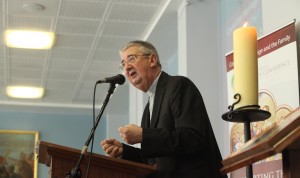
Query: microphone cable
{"points": [[92, 144]]}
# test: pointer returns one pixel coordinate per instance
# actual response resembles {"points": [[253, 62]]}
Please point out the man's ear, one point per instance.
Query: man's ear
{"points": [[153, 60]]}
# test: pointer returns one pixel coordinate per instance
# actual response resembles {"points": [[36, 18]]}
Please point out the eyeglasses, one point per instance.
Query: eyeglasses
{"points": [[130, 60]]}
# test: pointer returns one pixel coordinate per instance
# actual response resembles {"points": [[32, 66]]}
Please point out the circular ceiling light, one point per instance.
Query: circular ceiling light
{"points": [[33, 7]]}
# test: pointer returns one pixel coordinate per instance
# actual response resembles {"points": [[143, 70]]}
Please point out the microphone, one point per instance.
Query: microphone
{"points": [[118, 79]]}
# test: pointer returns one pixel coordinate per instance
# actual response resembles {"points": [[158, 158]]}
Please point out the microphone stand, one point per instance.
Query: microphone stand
{"points": [[76, 172]]}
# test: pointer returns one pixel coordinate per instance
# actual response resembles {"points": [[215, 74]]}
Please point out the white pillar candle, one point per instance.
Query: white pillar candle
{"points": [[245, 65]]}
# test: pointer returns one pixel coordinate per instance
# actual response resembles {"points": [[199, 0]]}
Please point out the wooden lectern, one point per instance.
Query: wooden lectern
{"points": [[63, 159], [282, 137]]}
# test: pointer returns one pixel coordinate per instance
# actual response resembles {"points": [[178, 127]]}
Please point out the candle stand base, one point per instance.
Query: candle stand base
{"points": [[246, 115]]}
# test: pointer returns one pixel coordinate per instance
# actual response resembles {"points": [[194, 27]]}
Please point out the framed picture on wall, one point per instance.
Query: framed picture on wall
{"points": [[17, 153]]}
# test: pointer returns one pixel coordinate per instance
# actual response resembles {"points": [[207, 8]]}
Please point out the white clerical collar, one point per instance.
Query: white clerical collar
{"points": [[151, 90]]}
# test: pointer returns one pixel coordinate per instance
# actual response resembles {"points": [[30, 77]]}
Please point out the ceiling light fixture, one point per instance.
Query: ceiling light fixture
{"points": [[33, 7], [24, 92], [29, 39]]}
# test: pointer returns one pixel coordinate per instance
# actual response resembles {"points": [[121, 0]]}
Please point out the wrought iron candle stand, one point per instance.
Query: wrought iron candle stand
{"points": [[246, 115]]}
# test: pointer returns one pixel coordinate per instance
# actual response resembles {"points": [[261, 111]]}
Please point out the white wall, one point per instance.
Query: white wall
{"points": [[199, 59], [277, 13]]}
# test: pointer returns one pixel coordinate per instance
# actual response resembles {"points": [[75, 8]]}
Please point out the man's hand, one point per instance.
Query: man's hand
{"points": [[112, 147], [131, 134]]}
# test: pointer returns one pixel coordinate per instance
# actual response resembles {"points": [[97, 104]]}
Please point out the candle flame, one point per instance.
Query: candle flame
{"points": [[245, 24]]}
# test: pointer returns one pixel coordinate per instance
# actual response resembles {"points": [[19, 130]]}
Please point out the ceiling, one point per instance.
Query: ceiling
{"points": [[89, 34]]}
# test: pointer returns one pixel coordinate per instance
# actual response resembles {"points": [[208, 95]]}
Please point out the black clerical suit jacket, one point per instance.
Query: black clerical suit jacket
{"points": [[180, 139]]}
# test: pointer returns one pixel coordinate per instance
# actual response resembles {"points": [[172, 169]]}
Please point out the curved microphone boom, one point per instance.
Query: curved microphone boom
{"points": [[118, 79]]}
